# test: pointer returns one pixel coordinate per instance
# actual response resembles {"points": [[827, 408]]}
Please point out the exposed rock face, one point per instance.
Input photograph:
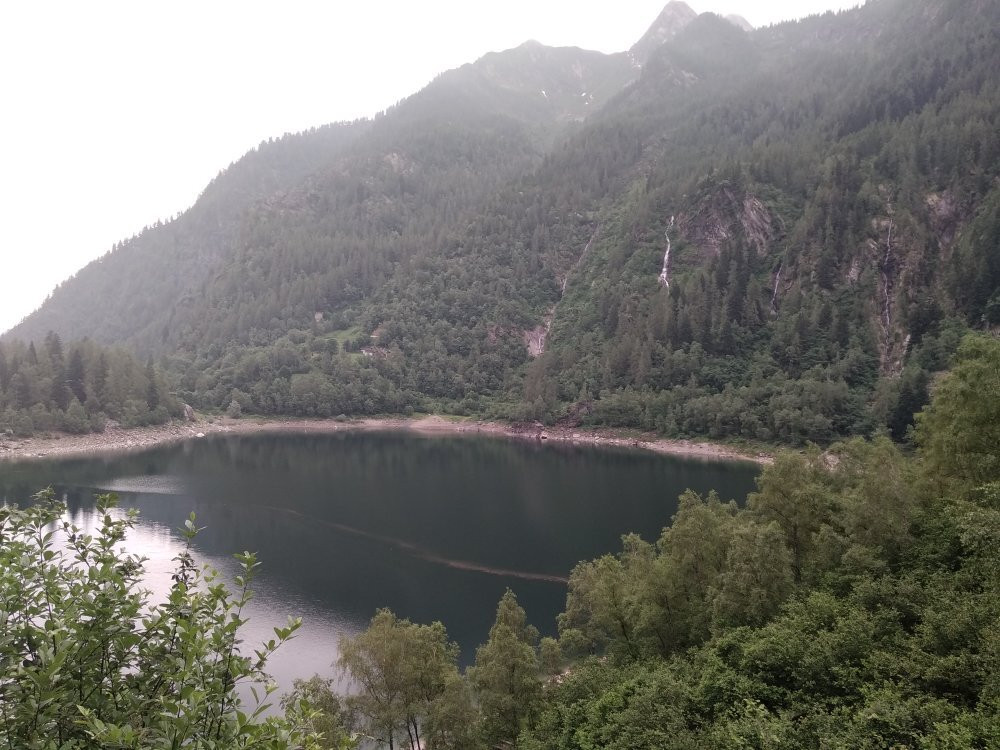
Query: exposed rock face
{"points": [[534, 339], [671, 21], [724, 214], [945, 216], [189, 414]]}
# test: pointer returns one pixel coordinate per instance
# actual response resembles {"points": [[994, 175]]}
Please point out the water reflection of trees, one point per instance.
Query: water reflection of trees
{"points": [[322, 511]]}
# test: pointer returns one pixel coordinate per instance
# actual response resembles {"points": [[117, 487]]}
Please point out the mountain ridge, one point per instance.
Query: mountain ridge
{"points": [[770, 234]]}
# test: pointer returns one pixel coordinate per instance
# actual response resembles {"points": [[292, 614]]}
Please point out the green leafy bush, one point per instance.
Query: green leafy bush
{"points": [[87, 660]]}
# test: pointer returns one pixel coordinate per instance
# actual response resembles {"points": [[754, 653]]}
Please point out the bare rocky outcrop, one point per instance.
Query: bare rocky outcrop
{"points": [[757, 224], [945, 217], [375, 352], [534, 339], [854, 272], [722, 215], [671, 21]]}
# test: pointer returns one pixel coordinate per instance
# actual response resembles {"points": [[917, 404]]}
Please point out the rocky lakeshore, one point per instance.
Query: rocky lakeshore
{"points": [[119, 439]]}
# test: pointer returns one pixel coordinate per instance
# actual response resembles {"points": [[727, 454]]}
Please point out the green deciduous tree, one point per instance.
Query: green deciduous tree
{"points": [[89, 661], [411, 694], [505, 676], [757, 577], [959, 432], [795, 494], [323, 711], [601, 607]]}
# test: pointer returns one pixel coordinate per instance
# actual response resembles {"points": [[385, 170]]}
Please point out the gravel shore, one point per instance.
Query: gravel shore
{"points": [[119, 440]]}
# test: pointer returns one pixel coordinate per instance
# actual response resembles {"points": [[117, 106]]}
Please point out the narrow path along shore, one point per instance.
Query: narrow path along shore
{"points": [[119, 440]]}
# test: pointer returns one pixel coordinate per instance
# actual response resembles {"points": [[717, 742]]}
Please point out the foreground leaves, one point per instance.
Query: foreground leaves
{"points": [[87, 660]]}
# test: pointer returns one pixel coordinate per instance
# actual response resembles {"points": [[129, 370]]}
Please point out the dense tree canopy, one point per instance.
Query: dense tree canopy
{"points": [[87, 660], [826, 189], [784, 235], [78, 388], [852, 602]]}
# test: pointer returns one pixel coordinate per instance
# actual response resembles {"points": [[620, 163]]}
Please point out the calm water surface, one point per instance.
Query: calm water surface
{"points": [[434, 528]]}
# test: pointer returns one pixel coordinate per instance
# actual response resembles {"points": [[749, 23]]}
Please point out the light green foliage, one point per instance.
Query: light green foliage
{"points": [[877, 500], [692, 557], [652, 599], [959, 433], [322, 708], [550, 657], [505, 677], [410, 692], [757, 577], [453, 721], [888, 638], [600, 607], [795, 494], [89, 661]]}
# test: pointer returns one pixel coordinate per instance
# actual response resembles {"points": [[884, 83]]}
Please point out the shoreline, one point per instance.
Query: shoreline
{"points": [[117, 440]]}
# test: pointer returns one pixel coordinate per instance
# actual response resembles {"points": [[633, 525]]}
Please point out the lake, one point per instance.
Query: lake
{"points": [[435, 528]]}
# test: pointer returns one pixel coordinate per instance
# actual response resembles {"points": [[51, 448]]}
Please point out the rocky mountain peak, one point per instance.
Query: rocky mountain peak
{"points": [[671, 21]]}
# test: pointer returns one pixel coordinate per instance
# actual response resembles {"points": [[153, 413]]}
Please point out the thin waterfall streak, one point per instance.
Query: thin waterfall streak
{"points": [[665, 270]]}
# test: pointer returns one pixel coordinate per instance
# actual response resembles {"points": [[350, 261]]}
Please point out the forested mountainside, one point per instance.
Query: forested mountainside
{"points": [[773, 234]]}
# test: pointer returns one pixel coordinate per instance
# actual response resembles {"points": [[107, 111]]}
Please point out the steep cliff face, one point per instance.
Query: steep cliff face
{"points": [[726, 215]]}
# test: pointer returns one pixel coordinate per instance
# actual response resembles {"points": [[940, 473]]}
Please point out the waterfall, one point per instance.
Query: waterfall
{"points": [[665, 270], [774, 295]]}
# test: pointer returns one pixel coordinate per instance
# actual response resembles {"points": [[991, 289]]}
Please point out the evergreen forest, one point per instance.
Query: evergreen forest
{"points": [[78, 389], [786, 236], [774, 235]]}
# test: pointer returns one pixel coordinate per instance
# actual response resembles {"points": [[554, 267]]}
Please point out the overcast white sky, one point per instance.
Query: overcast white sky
{"points": [[116, 114]]}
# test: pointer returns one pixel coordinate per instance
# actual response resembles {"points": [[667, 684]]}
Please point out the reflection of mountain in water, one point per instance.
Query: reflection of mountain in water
{"points": [[434, 528]]}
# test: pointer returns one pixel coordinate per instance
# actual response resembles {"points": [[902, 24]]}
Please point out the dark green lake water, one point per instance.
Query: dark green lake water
{"points": [[433, 527]]}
